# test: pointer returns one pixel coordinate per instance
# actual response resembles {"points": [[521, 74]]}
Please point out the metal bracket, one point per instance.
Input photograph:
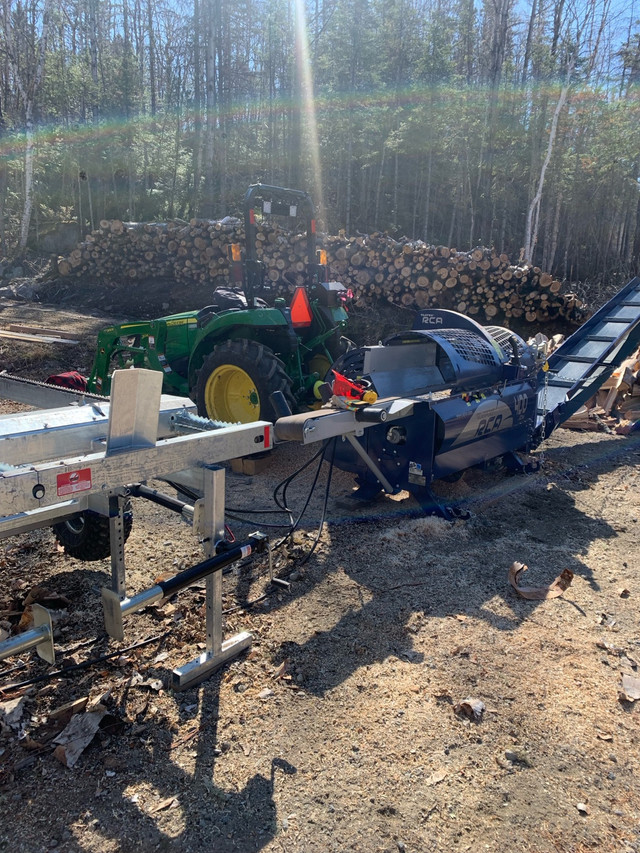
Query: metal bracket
{"points": [[371, 465], [116, 544], [40, 636]]}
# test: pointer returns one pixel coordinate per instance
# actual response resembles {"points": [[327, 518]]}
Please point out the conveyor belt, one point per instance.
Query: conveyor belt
{"points": [[585, 361]]}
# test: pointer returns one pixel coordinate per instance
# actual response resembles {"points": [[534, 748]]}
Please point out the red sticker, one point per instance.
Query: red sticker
{"points": [[74, 481], [267, 437]]}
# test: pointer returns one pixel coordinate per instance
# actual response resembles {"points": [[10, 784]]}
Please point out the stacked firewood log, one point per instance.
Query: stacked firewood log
{"points": [[376, 268], [616, 406]]}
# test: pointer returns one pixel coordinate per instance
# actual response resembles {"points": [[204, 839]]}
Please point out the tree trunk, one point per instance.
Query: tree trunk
{"points": [[211, 106], [193, 206], [531, 229], [3, 189], [152, 57]]}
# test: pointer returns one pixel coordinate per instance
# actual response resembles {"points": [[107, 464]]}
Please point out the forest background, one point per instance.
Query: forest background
{"points": [[457, 122]]}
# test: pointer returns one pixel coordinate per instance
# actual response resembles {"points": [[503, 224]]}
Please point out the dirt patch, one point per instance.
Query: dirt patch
{"points": [[35, 360], [337, 731]]}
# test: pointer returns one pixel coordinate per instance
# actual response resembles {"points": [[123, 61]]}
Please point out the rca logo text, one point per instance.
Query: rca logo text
{"points": [[488, 425]]}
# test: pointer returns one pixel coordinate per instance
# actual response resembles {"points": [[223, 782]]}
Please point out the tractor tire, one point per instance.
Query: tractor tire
{"points": [[86, 537], [236, 381], [349, 364]]}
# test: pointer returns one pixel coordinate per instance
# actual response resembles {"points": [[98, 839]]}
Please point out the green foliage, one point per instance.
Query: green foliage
{"points": [[432, 118]]}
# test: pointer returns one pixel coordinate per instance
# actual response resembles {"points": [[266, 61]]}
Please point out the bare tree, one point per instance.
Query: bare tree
{"points": [[27, 77], [533, 214]]}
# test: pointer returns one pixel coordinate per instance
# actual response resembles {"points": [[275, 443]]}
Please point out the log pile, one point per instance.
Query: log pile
{"points": [[376, 268]]}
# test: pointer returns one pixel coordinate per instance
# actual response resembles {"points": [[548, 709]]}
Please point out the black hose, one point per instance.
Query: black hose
{"points": [[324, 504]]}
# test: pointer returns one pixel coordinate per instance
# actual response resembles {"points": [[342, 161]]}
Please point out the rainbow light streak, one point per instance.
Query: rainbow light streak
{"points": [[108, 132]]}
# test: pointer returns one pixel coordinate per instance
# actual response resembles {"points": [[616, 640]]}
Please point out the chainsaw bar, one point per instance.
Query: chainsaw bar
{"points": [[43, 395]]}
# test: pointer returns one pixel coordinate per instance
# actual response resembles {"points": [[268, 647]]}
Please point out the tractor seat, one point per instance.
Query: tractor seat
{"points": [[225, 299]]}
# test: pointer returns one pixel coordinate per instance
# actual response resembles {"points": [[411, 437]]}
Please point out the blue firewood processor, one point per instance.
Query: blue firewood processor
{"points": [[449, 394]]}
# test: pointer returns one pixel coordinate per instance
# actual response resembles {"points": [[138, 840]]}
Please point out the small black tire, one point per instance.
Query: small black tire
{"points": [[236, 381], [86, 536]]}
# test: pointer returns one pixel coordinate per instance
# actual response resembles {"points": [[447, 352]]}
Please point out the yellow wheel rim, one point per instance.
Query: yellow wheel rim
{"points": [[231, 395], [319, 364]]}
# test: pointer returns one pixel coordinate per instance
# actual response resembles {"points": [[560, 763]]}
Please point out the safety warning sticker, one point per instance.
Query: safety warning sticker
{"points": [[74, 481]]}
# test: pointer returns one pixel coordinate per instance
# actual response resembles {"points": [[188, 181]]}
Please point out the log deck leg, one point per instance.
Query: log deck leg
{"points": [[217, 652]]}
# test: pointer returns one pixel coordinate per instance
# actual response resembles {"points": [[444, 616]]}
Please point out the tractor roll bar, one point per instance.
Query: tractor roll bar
{"points": [[281, 200]]}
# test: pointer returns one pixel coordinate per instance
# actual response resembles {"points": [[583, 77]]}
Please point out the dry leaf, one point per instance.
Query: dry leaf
{"points": [[539, 593], [30, 744], [609, 647], [26, 620]]}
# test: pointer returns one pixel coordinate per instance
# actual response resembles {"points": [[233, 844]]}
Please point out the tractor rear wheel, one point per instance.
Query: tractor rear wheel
{"points": [[236, 381], [86, 536]]}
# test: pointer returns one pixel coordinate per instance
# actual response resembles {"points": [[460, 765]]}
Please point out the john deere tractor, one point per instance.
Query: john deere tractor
{"points": [[232, 355]]}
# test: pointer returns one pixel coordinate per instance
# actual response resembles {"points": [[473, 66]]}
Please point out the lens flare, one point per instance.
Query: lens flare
{"points": [[305, 76]]}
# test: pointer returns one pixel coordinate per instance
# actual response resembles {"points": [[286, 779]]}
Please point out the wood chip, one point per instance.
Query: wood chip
{"points": [[64, 713], [281, 671], [435, 778], [168, 803], [473, 708], [630, 689]]}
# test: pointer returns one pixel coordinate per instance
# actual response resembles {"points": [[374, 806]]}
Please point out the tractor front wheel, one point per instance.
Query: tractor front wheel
{"points": [[236, 381]]}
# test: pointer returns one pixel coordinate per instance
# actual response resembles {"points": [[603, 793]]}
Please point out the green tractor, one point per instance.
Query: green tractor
{"points": [[232, 355]]}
